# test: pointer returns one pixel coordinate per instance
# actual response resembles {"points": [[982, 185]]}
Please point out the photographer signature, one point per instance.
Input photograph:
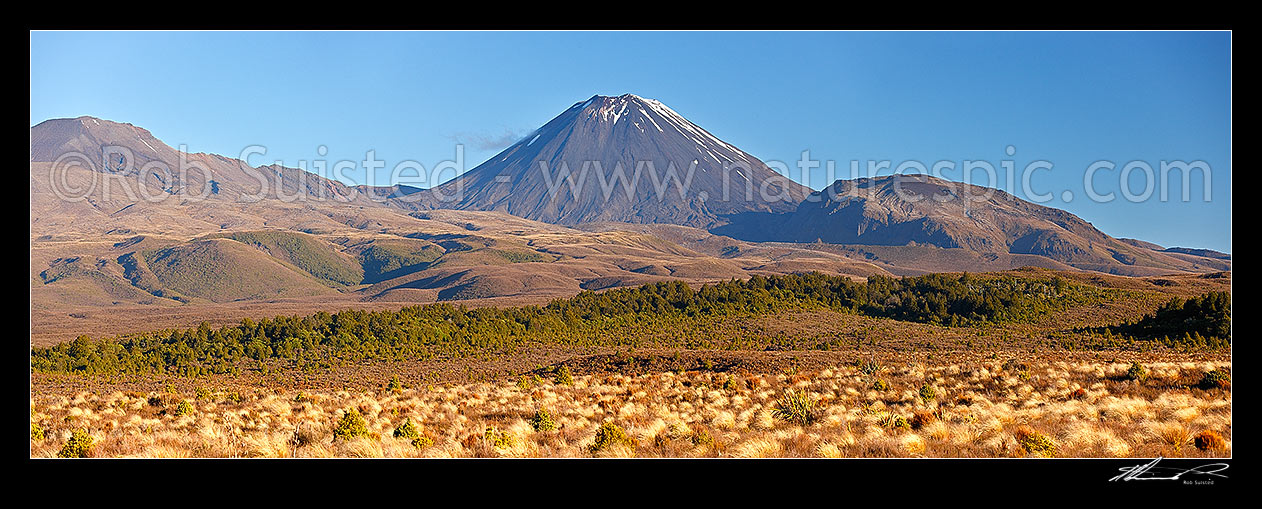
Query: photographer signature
{"points": [[1150, 471]]}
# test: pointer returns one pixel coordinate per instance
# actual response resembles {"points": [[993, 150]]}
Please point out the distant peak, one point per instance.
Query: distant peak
{"points": [[621, 97], [87, 121], [606, 100]]}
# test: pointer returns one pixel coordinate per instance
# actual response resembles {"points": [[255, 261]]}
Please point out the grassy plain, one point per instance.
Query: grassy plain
{"points": [[798, 383]]}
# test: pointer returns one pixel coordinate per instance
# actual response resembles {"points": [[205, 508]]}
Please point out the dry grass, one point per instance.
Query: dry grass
{"points": [[983, 409]]}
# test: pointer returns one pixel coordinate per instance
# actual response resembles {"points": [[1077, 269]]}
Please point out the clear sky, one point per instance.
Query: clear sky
{"points": [[1070, 98]]}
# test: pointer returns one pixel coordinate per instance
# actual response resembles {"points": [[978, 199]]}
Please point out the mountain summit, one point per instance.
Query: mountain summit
{"points": [[624, 159]]}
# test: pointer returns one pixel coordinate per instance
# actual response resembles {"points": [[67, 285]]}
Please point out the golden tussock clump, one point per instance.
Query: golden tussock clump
{"points": [[922, 418], [1209, 440]]}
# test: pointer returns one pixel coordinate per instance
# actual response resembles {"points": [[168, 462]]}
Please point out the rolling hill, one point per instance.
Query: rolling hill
{"points": [[222, 270]]}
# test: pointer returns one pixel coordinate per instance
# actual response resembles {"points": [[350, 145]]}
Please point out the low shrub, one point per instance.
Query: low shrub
{"points": [[78, 446], [563, 376], [795, 407], [1216, 379], [526, 383], [542, 421], [702, 437], [351, 425], [611, 434], [927, 393], [500, 439], [409, 431], [1034, 442], [1137, 372]]}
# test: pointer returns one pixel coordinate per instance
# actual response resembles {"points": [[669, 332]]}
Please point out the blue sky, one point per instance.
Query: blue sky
{"points": [[1069, 98]]}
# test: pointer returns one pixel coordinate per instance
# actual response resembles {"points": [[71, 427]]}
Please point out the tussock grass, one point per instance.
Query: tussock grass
{"points": [[1070, 409]]}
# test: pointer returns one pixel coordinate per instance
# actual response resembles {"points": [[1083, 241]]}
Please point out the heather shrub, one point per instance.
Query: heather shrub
{"points": [[1216, 379], [526, 383], [409, 431], [1136, 372], [611, 434], [37, 432], [1034, 442], [563, 376], [880, 385], [422, 442], [351, 425], [542, 421], [927, 393], [78, 446], [500, 439], [702, 437], [184, 408]]}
